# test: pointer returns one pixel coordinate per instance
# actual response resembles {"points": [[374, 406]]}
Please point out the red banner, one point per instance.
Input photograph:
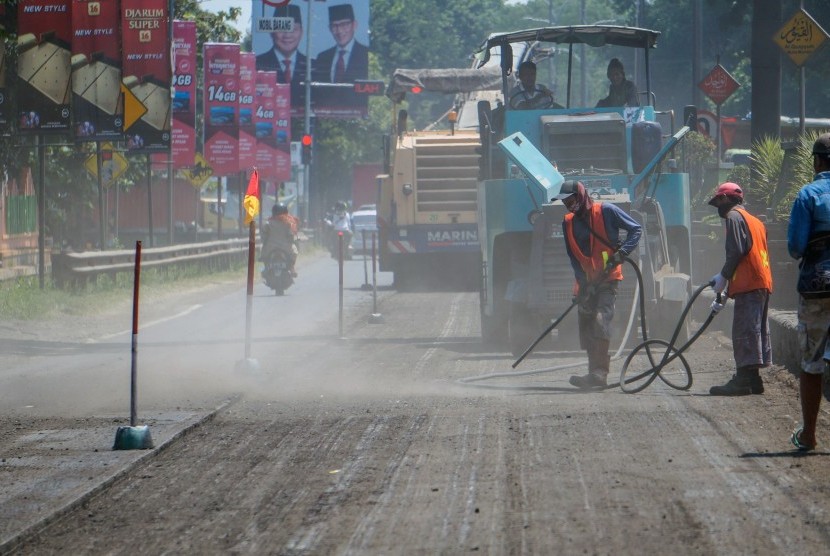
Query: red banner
{"points": [[183, 145], [221, 69], [247, 93], [146, 74], [4, 105], [96, 70], [270, 136], [44, 38]]}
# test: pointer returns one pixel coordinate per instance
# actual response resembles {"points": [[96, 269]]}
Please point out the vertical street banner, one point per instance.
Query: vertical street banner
{"points": [[338, 52], [221, 94], [282, 129], [44, 39], [265, 114], [4, 97], [247, 94], [96, 70], [183, 142], [146, 74]]}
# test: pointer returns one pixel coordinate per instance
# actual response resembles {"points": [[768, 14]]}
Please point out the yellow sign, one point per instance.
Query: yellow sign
{"points": [[113, 164], [200, 172], [800, 37], [133, 108]]}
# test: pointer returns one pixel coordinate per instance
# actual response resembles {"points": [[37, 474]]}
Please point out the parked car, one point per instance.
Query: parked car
{"points": [[364, 221]]}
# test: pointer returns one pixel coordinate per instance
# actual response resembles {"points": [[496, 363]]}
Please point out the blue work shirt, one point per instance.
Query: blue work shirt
{"points": [[810, 214], [615, 219]]}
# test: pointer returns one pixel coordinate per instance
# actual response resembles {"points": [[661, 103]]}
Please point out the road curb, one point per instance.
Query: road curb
{"points": [[18, 539]]}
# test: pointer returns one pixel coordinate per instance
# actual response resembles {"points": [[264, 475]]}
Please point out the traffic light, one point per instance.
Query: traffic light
{"points": [[306, 144]]}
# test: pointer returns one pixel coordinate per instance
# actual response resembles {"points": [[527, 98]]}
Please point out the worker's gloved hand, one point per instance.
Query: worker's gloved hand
{"points": [[718, 283], [614, 260], [716, 307]]}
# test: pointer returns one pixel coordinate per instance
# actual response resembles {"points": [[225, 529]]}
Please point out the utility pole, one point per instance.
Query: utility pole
{"points": [[307, 114]]}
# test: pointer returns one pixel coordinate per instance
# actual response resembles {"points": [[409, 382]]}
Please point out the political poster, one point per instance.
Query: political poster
{"points": [[335, 58]]}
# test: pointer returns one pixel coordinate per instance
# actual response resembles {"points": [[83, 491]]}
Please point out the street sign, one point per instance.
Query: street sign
{"points": [[369, 87], [800, 37], [718, 84], [113, 164], [134, 109], [200, 172]]}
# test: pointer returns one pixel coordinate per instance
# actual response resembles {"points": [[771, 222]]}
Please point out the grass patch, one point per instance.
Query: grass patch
{"points": [[22, 298]]}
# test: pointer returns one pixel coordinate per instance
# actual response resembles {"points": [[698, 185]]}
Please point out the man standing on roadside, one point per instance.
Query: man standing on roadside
{"points": [[808, 239], [748, 273]]}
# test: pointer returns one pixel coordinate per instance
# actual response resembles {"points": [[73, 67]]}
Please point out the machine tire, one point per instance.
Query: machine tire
{"points": [[520, 329]]}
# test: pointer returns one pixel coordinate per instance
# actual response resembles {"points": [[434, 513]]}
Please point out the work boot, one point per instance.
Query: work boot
{"points": [[739, 385], [591, 381]]}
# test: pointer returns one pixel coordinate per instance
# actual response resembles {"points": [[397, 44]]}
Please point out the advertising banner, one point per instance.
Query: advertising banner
{"points": [[338, 54], [146, 74], [44, 40], [96, 70], [4, 97], [272, 118], [247, 94], [221, 94], [183, 143]]}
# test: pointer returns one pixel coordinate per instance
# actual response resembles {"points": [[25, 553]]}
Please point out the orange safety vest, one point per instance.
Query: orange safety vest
{"points": [[753, 272], [593, 263]]}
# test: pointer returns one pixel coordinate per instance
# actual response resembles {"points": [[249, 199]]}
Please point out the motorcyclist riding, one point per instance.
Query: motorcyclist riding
{"points": [[341, 222], [280, 234]]}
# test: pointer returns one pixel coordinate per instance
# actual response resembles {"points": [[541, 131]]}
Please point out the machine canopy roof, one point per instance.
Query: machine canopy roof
{"points": [[450, 80]]}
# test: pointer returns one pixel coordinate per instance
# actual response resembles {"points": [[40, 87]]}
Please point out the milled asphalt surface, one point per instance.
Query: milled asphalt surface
{"points": [[76, 464]]}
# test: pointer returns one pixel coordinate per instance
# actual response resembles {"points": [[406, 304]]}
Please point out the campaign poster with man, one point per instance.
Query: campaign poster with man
{"points": [[338, 54]]}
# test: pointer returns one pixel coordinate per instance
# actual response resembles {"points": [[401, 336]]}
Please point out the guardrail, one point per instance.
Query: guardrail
{"points": [[75, 270]]}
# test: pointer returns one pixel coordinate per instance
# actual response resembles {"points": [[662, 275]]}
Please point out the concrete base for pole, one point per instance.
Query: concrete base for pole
{"points": [[133, 438], [249, 365], [376, 318], [366, 287]]}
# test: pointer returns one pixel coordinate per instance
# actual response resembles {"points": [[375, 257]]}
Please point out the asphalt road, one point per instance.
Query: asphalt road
{"points": [[404, 437]]}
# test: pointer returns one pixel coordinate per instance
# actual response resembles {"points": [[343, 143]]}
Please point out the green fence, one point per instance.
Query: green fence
{"points": [[21, 214]]}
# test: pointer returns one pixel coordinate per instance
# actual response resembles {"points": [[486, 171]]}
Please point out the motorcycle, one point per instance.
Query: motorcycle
{"points": [[331, 237], [277, 271], [334, 248]]}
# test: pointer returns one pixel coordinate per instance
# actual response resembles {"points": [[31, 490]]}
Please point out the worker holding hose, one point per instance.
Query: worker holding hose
{"points": [[747, 273], [592, 239]]}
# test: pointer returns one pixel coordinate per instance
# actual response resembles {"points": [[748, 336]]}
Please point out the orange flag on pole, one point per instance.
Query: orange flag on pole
{"points": [[251, 201]]}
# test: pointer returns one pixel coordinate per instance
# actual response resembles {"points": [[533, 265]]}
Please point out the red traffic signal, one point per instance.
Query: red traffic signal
{"points": [[306, 142], [415, 89]]}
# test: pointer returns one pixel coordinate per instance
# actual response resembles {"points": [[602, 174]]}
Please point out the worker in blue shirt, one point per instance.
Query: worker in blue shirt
{"points": [[808, 239]]}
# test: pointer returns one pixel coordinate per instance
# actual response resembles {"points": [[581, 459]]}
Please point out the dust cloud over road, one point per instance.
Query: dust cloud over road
{"points": [[371, 443]]}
